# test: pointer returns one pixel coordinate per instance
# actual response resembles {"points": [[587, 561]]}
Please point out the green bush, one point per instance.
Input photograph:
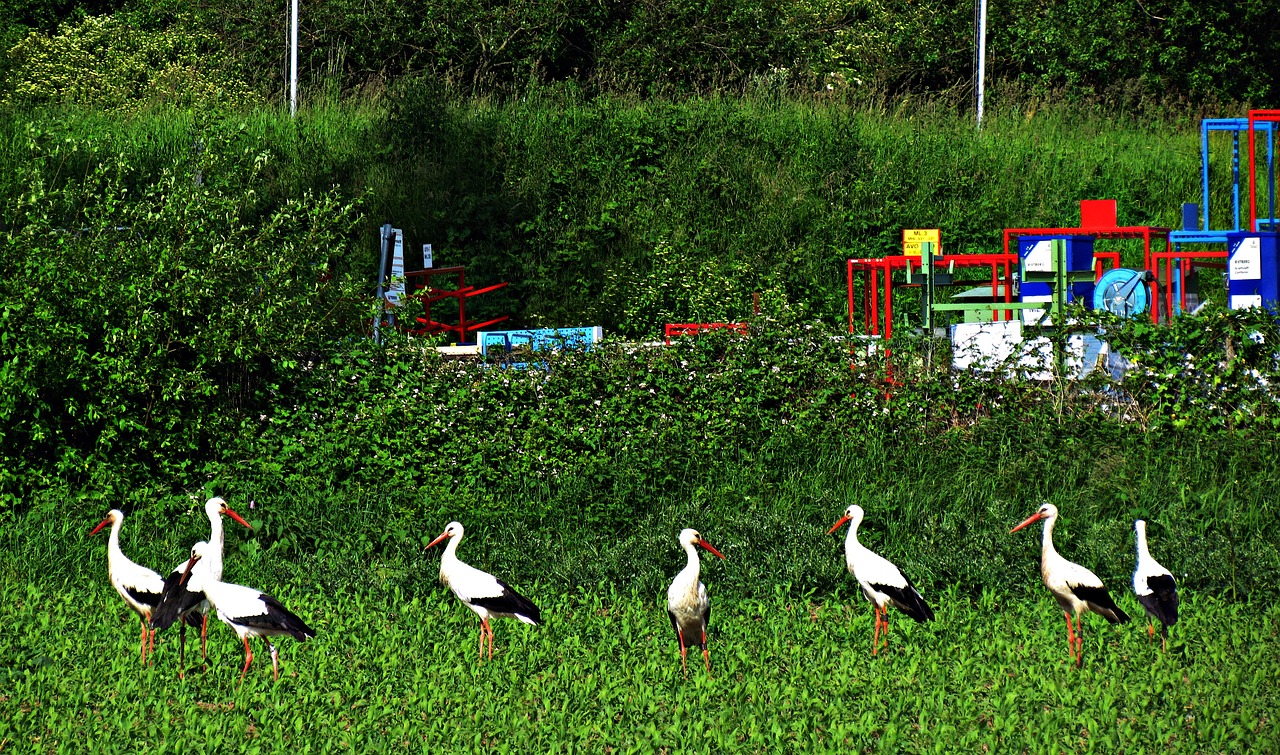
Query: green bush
{"points": [[105, 63]]}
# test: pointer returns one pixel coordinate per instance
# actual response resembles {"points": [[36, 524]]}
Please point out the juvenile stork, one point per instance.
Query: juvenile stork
{"points": [[480, 591], [138, 586], [249, 612], [1155, 588], [687, 602], [178, 602], [882, 582], [1076, 589]]}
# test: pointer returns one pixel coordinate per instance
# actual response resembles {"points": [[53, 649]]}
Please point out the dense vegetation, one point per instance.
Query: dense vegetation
{"points": [[397, 673], [185, 311], [1123, 55]]}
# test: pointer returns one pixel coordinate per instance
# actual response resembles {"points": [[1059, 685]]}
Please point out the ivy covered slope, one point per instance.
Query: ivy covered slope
{"points": [[185, 305]]}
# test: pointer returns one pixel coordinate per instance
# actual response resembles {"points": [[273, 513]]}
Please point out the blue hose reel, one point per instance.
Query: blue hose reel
{"points": [[1122, 292]]}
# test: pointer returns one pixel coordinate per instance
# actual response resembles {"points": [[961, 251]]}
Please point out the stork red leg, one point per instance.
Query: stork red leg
{"points": [[1071, 636], [275, 660], [144, 642], [182, 648], [1079, 641], [489, 630], [875, 639], [706, 652], [885, 633], [248, 657], [683, 652], [204, 631], [1151, 631]]}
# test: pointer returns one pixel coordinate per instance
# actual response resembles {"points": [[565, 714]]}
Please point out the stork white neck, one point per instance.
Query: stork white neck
{"points": [[450, 558], [114, 554], [686, 582], [212, 560], [1046, 538], [1144, 555], [851, 544]]}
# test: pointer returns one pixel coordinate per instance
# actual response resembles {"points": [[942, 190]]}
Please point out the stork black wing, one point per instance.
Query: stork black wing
{"points": [[175, 601], [907, 600], [277, 619], [148, 599], [1162, 603], [510, 602], [1100, 601]]}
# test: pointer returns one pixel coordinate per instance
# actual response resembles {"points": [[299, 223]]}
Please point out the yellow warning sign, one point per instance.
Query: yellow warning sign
{"points": [[912, 238]]}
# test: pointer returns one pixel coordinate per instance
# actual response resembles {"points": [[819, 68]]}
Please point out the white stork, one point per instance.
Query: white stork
{"points": [[178, 602], [687, 602], [882, 582], [1076, 588], [1155, 588], [480, 591], [249, 612], [139, 586]]}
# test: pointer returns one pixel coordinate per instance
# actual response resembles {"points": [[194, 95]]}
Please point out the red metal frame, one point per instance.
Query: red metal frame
{"points": [[1187, 260], [1272, 116], [876, 267], [426, 293], [1098, 219], [678, 329]]}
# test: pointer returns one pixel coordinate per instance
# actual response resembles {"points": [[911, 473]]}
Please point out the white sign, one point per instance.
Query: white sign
{"points": [[396, 290], [1040, 258], [1246, 260], [426, 256], [1245, 301], [1032, 316]]}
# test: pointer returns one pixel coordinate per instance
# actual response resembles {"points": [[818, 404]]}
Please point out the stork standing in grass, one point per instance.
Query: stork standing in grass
{"points": [[882, 582], [1076, 589], [1155, 588], [139, 586], [687, 602], [480, 591], [178, 602], [249, 612]]}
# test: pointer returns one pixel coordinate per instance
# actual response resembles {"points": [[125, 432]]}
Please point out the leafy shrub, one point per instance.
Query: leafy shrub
{"points": [[104, 63]]}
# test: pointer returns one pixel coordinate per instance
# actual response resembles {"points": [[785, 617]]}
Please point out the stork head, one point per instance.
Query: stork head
{"points": [[216, 506], [113, 516], [690, 537], [1046, 511], [453, 530], [198, 551], [851, 514]]}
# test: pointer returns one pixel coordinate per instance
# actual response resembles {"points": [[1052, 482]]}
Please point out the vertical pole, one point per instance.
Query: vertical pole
{"points": [[1271, 173], [1204, 171], [1253, 190], [848, 275], [382, 269], [293, 59], [1235, 177], [982, 56]]}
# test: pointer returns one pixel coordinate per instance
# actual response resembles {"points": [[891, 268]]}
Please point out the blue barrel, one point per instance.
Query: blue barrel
{"points": [[1253, 270], [1034, 252]]}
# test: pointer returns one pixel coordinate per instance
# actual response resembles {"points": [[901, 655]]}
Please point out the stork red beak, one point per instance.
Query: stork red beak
{"points": [[101, 524], [443, 535], [837, 525], [1029, 520], [710, 547], [227, 510], [187, 570]]}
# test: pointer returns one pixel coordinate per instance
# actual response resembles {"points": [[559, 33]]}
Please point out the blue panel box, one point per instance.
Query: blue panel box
{"points": [[1035, 254], [1253, 270]]}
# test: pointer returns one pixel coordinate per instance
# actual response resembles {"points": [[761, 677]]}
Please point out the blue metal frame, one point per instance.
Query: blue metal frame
{"points": [[1206, 234]]}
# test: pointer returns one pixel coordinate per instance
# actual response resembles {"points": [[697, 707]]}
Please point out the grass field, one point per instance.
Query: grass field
{"points": [[398, 672]]}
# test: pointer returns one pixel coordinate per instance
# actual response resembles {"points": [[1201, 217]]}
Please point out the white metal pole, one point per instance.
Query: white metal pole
{"points": [[982, 55], [293, 61]]}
